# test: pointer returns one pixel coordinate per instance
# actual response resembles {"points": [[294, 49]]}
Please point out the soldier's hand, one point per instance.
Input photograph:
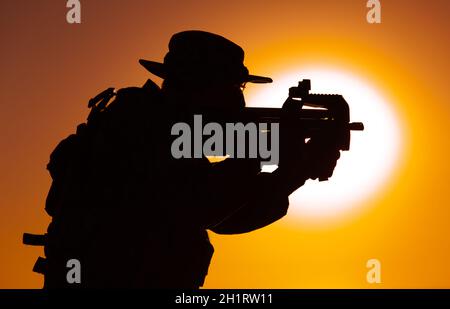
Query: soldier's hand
{"points": [[320, 159], [291, 168], [300, 161]]}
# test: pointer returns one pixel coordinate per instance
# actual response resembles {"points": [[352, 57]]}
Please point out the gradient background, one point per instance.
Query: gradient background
{"points": [[50, 69]]}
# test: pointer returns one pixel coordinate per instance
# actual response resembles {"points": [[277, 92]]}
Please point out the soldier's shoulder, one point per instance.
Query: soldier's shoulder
{"points": [[149, 90], [137, 98]]}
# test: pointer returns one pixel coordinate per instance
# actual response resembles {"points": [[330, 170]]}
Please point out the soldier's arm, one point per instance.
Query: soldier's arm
{"points": [[257, 209], [246, 199]]}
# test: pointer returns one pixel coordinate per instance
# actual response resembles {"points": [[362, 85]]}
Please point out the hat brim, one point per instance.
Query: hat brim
{"points": [[258, 79], [154, 67], [159, 70]]}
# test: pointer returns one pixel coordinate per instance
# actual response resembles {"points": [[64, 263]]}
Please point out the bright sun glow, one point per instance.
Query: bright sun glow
{"points": [[361, 172]]}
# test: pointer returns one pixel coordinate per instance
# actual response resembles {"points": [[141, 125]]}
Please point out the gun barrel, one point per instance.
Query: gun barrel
{"points": [[356, 126]]}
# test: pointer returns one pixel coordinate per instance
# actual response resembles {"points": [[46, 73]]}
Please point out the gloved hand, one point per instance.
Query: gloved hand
{"points": [[320, 158], [300, 161]]}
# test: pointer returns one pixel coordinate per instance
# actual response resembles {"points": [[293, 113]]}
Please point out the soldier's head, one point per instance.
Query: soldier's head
{"points": [[203, 69]]}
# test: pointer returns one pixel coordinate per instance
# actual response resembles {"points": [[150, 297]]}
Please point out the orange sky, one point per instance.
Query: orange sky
{"points": [[50, 69]]}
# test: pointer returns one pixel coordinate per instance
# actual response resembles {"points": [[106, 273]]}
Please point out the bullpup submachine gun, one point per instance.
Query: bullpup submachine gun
{"points": [[318, 115], [324, 112], [315, 116]]}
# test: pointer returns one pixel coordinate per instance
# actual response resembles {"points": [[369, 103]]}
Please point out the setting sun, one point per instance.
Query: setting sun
{"points": [[361, 172]]}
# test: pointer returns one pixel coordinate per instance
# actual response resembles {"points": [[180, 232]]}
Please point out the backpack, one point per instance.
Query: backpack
{"points": [[71, 165]]}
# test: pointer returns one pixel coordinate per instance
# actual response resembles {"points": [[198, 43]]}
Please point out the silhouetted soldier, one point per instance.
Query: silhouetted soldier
{"points": [[133, 215]]}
